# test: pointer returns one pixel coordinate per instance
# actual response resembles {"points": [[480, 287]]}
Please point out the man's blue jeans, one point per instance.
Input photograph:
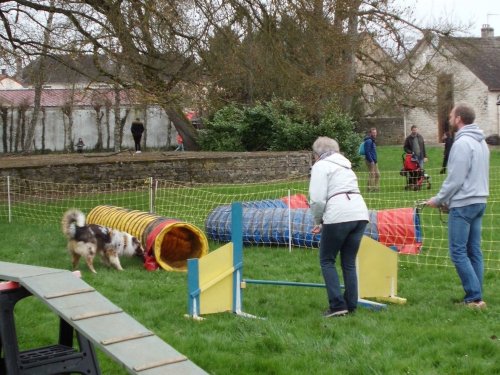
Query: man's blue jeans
{"points": [[421, 163], [344, 238], [464, 236]]}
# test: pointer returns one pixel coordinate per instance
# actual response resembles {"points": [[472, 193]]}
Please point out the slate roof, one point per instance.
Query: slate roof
{"points": [[59, 97], [82, 69], [480, 55], [69, 69]]}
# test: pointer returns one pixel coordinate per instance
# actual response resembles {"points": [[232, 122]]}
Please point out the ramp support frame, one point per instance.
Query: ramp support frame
{"points": [[53, 359]]}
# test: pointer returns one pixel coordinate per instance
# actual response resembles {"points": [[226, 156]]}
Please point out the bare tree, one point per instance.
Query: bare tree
{"points": [[242, 50], [118, 134], [308, 50], [107, 111], [39, 81], [4, 115], [44, 117], [155, 40], [20, 131], [98, 100], [67, 110]]}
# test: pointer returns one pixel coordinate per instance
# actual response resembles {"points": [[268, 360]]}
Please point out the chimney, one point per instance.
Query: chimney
{"points": [[4, 71], [19, 67], [487, 31]]}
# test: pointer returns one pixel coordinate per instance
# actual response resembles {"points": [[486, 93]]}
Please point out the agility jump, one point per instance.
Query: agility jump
{"points": [[215, 282]]}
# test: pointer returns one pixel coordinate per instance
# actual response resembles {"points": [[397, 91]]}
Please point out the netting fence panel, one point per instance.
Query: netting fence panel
{"points": [[28, 201]]}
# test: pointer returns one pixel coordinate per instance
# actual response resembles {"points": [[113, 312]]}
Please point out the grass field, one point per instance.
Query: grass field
{"points": [[428, 335]]}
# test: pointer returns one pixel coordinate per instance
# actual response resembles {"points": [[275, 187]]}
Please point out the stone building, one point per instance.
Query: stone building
{"points": [[449, 70]]}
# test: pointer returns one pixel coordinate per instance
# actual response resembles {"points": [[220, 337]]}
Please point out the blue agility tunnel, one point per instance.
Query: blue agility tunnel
{"points": [[270, 226], [273, 223]]}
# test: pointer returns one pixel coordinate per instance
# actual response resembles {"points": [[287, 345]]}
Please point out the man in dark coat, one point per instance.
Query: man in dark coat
{"points": [[415, 145], [137, 129]]}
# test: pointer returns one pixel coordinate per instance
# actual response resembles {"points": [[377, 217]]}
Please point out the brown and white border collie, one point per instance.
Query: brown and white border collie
{"points": [[87, 240]]}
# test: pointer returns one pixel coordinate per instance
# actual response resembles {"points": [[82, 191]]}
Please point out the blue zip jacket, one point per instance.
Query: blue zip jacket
{"points": [[370, 149]]}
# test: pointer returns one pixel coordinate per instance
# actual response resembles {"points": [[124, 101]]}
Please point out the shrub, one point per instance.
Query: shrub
{"points": [[223, 132], [278, 125], [341, 127]]}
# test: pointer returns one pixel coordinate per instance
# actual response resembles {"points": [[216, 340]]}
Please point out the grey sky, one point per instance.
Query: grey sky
{"points": [[466, 12]]}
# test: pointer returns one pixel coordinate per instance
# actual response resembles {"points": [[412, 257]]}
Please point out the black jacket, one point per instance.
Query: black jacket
{"points": [[408, 146], [137, 128]]}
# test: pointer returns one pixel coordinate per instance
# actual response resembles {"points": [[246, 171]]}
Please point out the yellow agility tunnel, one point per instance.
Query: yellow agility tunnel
{"points": [[173, 242]]}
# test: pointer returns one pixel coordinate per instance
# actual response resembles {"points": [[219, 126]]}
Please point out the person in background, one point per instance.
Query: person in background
{"points": [[371, 161], [465, 192], [180, 143], [340, 215], [448, 142], [137, 129], [415, 145], [80, 145]]}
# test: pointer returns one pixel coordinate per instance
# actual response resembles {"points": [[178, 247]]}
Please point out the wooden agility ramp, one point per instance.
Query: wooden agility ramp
{"points": [[97, 319]]}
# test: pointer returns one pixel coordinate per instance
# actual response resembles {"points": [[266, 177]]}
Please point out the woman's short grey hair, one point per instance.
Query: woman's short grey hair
{"points": [[325, 144]]}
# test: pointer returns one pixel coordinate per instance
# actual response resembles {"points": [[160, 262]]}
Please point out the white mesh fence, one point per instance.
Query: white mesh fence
{"points": [[268, 218]]}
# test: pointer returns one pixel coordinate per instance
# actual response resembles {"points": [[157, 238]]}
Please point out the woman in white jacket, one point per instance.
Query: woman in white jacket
{"points": [[341, 215]]}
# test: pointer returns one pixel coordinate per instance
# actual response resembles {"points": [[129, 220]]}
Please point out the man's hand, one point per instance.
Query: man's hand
{"points": [[431, 203]]}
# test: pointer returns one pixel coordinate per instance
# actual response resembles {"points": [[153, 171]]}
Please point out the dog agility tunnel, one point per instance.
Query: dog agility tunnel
{"points": [[262, 224], [171, 241]]}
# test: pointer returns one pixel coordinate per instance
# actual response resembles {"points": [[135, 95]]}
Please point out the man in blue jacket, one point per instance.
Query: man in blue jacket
{"points": [[465, 192], [371, 161]]}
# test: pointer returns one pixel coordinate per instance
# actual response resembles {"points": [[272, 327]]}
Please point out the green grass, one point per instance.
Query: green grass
{"points": [[428, 335]]}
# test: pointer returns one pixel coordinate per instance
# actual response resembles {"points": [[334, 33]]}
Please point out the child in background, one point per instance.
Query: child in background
{"points": [[180, 143], [80, 145]]}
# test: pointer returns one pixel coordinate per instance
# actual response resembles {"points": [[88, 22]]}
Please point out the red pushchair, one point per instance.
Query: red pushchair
{"points": [[415, 176]]}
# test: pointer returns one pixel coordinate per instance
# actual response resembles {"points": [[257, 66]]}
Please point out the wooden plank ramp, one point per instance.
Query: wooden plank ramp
{"points": [[107, 326]]}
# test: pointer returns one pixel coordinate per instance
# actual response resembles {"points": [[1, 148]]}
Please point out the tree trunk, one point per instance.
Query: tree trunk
{"points": [[5, 118], [122, 123], [19, 136], [39, 81], [169, 134], [145, 134], [11, 129], [65, 129], [70, 130], [68, 127], [43, 128], [108, 130], [184, 128], [350, 60], [98, 123], [117, 132]]}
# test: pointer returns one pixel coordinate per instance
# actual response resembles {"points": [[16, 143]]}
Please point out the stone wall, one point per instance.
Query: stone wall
{"points": [[186, 167]]}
